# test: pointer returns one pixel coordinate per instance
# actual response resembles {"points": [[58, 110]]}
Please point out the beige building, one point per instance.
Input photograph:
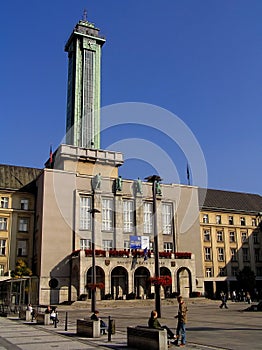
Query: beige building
{"points": [[231, 238]]}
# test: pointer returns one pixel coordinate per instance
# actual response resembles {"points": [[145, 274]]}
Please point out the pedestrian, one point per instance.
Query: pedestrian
{"points": [[223, 298], [154, 323], [54, 315], [181, 321], [103, 325], [248, 298], [32, 311]]}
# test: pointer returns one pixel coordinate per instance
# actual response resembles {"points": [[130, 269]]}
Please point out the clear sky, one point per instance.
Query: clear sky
{"points": [[199, 59]]}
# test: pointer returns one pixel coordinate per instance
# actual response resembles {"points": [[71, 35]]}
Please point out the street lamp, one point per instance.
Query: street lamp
{"points": [[154, 179], [93, 211]]}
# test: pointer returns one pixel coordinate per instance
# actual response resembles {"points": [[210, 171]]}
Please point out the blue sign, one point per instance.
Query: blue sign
{"points": [[135, 242]]}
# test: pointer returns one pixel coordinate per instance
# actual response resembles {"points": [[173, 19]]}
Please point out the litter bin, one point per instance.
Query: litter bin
{"points": [[112, 326]]}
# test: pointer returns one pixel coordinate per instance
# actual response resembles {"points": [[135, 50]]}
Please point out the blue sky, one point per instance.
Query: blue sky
{"points": [[199, 59]]}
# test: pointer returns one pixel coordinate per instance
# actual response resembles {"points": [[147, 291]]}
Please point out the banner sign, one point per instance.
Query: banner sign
{"points": [[135, 242]]}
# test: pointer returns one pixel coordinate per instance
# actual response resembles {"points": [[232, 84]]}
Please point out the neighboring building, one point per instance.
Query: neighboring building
{"points": [[17, 210], [231, 238]]}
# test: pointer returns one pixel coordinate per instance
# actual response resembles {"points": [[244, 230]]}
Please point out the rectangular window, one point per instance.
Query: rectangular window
{"points": [[230, 220], [245, 254], [255, 238], [23, 225], [21, 248], [107, 214], [222, 271], [259, 271], [234, 271], [85, 244], [3, 224], [254, 222], [148, 218], [2, 246], [107, 244], [206, 235], [220, 254], [168, 246], [232, 236], [2, 270], [4, 202], [218, 219], [257, 254], [233, 254], [128, 215], [24, 204], [126, 244], [209, 272], [242, 221], [220, 236], [205, 219], [207, 254], [85, 215], [244, 236], [167, 219]]}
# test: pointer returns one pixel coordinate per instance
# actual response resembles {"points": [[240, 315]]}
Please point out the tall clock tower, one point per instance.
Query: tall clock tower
{"points": [[83, 90]]}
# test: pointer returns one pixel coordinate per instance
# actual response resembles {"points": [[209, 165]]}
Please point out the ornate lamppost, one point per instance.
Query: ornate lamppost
{"points": [[155, 179]]}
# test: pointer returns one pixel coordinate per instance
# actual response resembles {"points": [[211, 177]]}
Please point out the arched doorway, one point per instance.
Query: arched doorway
{"points": [[100, 278], [184, 282], [167, 290], [142, 284], [119, 282]]}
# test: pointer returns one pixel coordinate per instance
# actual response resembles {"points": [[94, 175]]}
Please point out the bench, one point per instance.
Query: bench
{"points": [[42, 318], [141, 337], [88, 328]]}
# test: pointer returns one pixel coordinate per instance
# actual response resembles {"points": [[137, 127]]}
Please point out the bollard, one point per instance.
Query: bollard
{"points": [[109, 332], [66, 322]]}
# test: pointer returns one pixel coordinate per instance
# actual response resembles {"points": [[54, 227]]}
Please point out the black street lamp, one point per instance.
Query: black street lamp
{"points": [[93, 288], [154, 179]]}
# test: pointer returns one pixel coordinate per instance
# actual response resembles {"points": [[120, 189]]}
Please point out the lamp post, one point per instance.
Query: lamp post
{"points": [[93, 211], [154, 179]]}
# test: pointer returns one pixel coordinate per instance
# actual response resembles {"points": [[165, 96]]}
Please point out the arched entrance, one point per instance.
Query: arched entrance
{"points": [[119, 282], [184, 282], [142, 284], [164, 271], [100, 278]]}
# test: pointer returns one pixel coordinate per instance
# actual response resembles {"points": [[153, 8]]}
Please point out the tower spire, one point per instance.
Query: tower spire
{"points": [[85, 15]]}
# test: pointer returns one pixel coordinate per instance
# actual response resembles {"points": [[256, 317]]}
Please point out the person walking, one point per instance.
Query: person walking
{"points": [[224, 300], [181, 321]]}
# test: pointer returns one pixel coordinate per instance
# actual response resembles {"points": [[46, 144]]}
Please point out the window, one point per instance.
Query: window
{"points": [[218, 219], [23, 225], [230, 220], [234, 271], [167, 219], [168, 246], [24, 204], [85, 215], [232, 236], [205, 219], [245, 254], [233, 254], [3, 224], [85, 244], [220, 254], [242, 221], [148, 217], [220, 236], [107, 214], [257, 254], [255, 238], [259, 271], [222, 271], [244, 237], [2, 246], [2, 270], [206, 235], [207, 254], [254, 222], [107, 244], [4, 202], [209, 272], [126, 244], [128, 215], [21, 248]]}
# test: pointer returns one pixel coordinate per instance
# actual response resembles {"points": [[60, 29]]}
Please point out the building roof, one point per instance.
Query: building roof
{"points": [[16, 177], [230, 201]]}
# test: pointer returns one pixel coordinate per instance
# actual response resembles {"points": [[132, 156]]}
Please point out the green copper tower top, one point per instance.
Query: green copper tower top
{"points": [[84, 85]]}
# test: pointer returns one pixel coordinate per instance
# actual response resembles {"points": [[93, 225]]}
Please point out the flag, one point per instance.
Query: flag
{"points": [[50, 156], [145, 254], [188, 174]]}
